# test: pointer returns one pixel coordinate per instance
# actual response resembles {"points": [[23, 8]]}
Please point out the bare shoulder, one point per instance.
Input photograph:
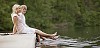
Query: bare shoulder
{"points": [[15, 17]]}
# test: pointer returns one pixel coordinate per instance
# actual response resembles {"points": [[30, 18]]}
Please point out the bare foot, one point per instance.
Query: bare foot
{"points": [[54, 34], [55, 37]]}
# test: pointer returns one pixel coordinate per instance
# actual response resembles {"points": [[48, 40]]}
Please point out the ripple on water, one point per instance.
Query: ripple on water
{"points": [[69, 43]]}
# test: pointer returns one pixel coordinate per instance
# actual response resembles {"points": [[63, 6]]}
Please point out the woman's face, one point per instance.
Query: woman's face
{"points": [[18, 10], [24, 10]]}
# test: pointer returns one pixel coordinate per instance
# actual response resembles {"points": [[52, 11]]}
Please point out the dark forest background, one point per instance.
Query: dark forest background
{"points": [[44, 14]]}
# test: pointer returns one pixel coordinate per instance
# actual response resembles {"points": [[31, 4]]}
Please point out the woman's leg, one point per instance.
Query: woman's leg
{"points": [[42, 37], [38, 37], [45, 34]]}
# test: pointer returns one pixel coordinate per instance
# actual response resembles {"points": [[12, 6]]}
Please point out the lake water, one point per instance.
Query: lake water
{"points": [[74, 37]]}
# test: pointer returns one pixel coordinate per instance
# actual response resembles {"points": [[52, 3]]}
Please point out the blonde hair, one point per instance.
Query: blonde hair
{"points": [[23, 6], [14, 8]]}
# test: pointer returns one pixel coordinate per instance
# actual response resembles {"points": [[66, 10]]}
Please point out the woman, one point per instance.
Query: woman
{"points": [[23, 11], [20, 25]]}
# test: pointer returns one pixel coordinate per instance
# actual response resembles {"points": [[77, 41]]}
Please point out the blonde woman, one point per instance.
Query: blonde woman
{"points": [[20, 25], [23, 10]]}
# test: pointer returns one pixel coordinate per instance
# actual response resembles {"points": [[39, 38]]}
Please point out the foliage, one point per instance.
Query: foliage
{"points": [[44, 14]]}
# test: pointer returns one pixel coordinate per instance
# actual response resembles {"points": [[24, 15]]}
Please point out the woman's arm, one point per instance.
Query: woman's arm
{"points": [[15, 24]]}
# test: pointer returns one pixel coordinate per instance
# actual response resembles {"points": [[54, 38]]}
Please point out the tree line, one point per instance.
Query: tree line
{"points": [[44, 14]]}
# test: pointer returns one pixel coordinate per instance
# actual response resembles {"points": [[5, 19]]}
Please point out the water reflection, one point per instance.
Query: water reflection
{"points": [[75, 37], [75, 43]]}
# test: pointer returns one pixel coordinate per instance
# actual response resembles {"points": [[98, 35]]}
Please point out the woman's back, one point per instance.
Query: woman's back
{"points": [[21, 24]]}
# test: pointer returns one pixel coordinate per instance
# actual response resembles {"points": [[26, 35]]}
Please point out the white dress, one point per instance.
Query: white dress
{"points": [[22, 27]]}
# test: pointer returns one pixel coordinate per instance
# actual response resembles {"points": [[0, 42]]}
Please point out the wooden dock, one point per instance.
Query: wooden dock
{"points": [[17, 41]]}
